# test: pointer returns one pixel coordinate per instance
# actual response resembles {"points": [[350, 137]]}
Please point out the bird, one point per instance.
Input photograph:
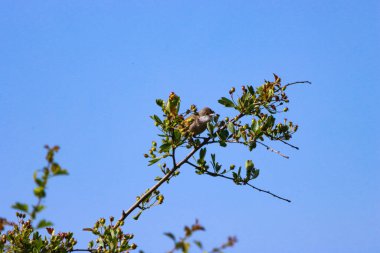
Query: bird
{"points": [[199, 121]]}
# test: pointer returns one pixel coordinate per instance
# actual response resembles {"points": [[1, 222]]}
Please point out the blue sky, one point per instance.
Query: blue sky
{"points": [[84, 75]]}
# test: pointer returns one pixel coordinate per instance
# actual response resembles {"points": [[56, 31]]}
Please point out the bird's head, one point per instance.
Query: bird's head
{"points": [[206, 112]]}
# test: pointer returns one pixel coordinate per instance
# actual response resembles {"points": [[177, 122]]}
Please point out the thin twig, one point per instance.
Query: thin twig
{"points": [[259, 142], [299, 82], [273, 150], [230, 178], [200, 137], [268, 192], [287, 143], [173, 156], [88, 250]]}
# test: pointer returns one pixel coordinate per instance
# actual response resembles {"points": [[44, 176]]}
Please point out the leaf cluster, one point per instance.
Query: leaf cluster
{"points": [[254, 124], [183, 244], [152, 199], [173, 127], [110, 239], [41, 178], [23, 238]]}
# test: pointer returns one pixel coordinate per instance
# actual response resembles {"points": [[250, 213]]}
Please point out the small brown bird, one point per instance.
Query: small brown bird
{"points": [[200, 120]]}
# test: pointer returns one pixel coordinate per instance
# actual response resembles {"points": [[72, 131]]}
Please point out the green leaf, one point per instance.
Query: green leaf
{"points": [[199, 244], [20, 206], [226, 102], [251, 90], [100, 241], [156, 119], [37, 244], [44, 223], [160, 102], [186, 247], [55, 167], [153, 161], [231, 127], [38, 182], [223, 144], [256, 173], [39, 192], [235, 176], [39, 208], [254, 125], [276, 78], [62, 172], [249, 165], [50, 156], [213, 158], [199, 172], [176, 136], [252, 145], [172, 105], [202, 154], [217, 167], [244, 101], [269, 123], [137, 216], [223, 135], [171, 236], [165, 147], [243, 134]]}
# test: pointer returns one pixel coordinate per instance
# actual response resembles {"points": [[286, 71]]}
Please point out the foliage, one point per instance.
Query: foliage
{"points": [[183, 244], [52, 169], [23, 237], [110, 239], [255, 124]]}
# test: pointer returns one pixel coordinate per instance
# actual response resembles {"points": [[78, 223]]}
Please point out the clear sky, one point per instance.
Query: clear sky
{"points": [[85, 74]]}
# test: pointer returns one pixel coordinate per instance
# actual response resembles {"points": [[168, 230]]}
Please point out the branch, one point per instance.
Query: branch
{"points": [[273, 150], [176, 166], [125, 214], [268, 192], [287, 143], [230, 178], [259, 142], [173, 156], [299, 82]]}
